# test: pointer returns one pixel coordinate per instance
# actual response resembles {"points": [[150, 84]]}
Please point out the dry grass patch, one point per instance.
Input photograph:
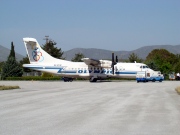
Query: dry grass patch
{"points": [[3, 87], [178, 89]]}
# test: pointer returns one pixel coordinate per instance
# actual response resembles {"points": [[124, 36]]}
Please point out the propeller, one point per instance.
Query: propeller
{"points": [[116, 59], [114, 62]]}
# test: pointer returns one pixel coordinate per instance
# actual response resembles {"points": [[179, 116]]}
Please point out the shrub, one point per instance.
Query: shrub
{"points": [[178, 89], [26, 78], [47, 74], [3, 87]]}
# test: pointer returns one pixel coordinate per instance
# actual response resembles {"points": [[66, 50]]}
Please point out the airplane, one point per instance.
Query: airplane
{"points": [[91, 69]]}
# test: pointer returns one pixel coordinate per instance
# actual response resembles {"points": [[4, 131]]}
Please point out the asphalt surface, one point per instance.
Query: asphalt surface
{"points": [[83, 108]]}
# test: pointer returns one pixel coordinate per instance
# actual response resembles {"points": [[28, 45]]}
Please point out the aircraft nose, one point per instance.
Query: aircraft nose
{"points": [[150, 70]]}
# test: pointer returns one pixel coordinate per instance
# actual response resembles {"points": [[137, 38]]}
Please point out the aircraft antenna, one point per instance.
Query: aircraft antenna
{"points": [[47, 39]]}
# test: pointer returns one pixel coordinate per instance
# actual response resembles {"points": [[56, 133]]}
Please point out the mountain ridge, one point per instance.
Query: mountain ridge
{"points": [[4, 53], [142, 52], [95, 53]]}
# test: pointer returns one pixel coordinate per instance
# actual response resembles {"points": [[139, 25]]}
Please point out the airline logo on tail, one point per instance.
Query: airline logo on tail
{"points": [[37, 55]]}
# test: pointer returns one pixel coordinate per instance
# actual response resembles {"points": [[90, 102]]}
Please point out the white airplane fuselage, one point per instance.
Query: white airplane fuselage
{"points": [[41, 61], [80, 69]]}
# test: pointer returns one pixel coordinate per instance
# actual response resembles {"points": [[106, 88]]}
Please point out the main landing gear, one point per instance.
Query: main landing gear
{"points": [[92, 79], [66, 79]]}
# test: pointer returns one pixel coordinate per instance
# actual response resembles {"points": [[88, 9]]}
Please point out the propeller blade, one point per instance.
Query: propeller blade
{"points": [[113, 69], [112, 63], [112, 58], [116, 59]]}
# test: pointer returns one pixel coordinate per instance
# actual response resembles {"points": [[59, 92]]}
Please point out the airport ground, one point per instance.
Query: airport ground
{"points": [[83, 108]]}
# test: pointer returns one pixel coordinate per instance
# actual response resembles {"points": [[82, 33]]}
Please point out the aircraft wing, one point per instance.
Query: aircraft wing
{"points": [[90, 61], [97, 63]]}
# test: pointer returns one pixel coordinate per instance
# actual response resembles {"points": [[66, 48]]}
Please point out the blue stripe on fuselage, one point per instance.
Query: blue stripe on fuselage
{"points": [[125, 73], [45, 67], [60, 70]]}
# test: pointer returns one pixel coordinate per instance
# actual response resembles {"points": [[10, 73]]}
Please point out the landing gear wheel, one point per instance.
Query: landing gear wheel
{"points": [[92, 79], [68, 79]]}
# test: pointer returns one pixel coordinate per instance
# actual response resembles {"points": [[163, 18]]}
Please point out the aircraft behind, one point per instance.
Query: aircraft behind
{"points": [[90, 68]]}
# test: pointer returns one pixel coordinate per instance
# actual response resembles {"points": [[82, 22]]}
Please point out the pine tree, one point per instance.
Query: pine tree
{"points": [[50, 48], [133, 57], [78, 57], [11, 68], [1, 65], [12, 52]]}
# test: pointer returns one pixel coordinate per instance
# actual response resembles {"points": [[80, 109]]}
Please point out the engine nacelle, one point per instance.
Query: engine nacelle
{"points": [[105, 64]]}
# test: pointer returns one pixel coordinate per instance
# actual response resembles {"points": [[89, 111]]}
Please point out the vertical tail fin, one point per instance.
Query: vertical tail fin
{"points": [[35, 53]]}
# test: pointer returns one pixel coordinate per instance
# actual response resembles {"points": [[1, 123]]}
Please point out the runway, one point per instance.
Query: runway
{"points": [[83, 108]]}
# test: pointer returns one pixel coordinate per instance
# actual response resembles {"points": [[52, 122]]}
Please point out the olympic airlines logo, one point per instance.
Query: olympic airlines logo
{"points": [[37, 55]]}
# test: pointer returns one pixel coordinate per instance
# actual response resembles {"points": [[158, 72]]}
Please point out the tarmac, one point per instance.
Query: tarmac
{"points": [[84, 108]]}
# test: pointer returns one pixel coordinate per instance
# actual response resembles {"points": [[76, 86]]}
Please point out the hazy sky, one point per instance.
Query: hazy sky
{"points": [[104, 24]]}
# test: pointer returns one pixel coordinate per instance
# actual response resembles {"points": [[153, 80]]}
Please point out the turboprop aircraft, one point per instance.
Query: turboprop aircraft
{"points": [[90, 68]]}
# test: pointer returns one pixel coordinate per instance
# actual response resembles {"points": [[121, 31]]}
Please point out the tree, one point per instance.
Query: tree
{"points": [[50, 48], [11, 68], [78, 57], [177, 67], [25, 60], [162, 60], [153, 66], [133, 57], [12, 52], [44, 74], [1, 65]]}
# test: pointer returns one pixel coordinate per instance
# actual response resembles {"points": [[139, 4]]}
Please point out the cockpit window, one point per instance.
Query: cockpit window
{"points": [[144, 66]]}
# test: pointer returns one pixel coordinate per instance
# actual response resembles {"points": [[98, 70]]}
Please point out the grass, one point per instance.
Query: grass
{"points": [[3, 87], [178, 89]]}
